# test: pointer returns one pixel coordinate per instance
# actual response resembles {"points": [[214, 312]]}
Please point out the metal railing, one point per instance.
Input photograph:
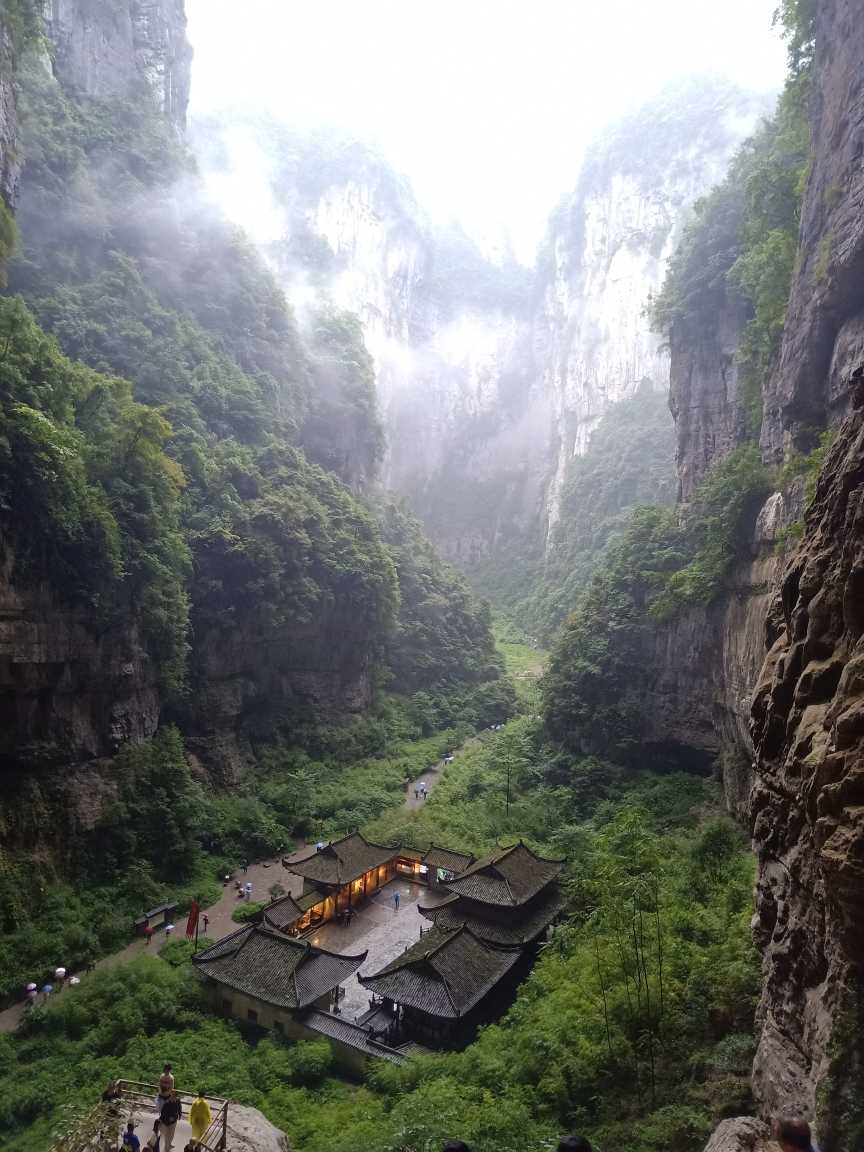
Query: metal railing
{"points": [[101, 1127]]}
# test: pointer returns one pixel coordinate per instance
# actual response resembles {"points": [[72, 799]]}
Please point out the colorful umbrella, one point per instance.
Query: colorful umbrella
{"points": [[48, 988]]}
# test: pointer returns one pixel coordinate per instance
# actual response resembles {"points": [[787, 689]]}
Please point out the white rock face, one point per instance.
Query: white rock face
{"points": [[488, 388], [250, 1131], [382, 260], [609, 257], [106, 49]]}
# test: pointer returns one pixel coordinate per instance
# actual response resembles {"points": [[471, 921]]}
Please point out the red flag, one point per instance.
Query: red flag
{"points": [[192, 922]]}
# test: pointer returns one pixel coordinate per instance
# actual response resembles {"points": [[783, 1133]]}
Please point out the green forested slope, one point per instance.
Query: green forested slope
{"points": [[188, 473], [741, 242], [135, 275]]}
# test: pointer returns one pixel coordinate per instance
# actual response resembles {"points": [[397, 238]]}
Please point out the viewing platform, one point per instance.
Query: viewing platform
{"points": [[103, 1126]]}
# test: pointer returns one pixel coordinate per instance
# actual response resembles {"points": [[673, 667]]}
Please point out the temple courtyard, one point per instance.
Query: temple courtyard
{"points": [[378, 927]]}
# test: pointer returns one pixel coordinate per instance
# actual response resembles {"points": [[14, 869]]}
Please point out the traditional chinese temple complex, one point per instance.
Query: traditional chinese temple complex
{"points": [[484, 928], [344, 873], [507, 900], [435, 991], [265, 977]]}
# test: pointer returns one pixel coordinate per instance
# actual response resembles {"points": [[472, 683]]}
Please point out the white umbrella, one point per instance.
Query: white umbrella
{"points": [[74, 980], [59, 973], [31, 987]]}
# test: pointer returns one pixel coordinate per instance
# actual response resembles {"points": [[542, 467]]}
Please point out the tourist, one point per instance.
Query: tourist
{"points": [[166, 1087], [793, 1135], [171, 1112], [574, 1144], [200, 1117], [245, 866], [206, 920], [248, 889], [396, 899], [60, 976], [349, 916], [153, 1141], [416, 793], [148, 931], [169, 928], [130, 1140]]}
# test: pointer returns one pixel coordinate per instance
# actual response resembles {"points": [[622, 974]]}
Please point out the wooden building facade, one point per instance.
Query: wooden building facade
{"points": [[344, 873]]}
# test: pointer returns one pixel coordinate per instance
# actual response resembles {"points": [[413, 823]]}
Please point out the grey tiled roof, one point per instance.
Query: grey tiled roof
{"points": [[281, 912], [445, 973], [284, 911], [509, 928], [352, 1035], [343, 860], [508, 878], [445, 858], [274, 968]]}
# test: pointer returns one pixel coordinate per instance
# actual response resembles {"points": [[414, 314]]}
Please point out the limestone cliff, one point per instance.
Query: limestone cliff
{"points": [[491, 377], [607, 250], [74, 687], [108, 49], [9, 163], [807, 805], [704, 390]]}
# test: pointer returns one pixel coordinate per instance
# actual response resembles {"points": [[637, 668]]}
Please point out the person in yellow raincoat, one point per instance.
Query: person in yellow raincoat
{"points": [[200, 1117]]}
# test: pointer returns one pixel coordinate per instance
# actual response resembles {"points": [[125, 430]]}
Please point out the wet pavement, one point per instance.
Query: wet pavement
{"points": [[381, 928], [261, 876], [377, 926]]}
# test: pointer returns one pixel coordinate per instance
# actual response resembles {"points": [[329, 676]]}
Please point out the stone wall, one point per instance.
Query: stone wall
{"points": [[807, 805]]}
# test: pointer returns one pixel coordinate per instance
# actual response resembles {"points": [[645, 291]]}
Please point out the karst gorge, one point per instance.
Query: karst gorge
{"points": [[466, 649]]}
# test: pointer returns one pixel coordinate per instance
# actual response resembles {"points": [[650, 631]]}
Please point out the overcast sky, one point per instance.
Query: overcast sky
{"points": [[486, 105]]}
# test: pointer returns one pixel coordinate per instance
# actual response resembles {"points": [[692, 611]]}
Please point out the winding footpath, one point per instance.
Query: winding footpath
{"points": [[262, 876]]}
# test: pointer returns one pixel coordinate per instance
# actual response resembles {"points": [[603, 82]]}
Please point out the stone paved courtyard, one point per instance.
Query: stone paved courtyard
{"points": [[380, 928]]}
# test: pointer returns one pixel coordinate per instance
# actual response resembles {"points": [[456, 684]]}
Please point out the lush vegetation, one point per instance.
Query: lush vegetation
{"points": [[20, 21], [632, 1028], [341, 431], [663, 563], [629, 463], [137, 276], [742, 242], [185, 471], [85, 468], [202, 467]]}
